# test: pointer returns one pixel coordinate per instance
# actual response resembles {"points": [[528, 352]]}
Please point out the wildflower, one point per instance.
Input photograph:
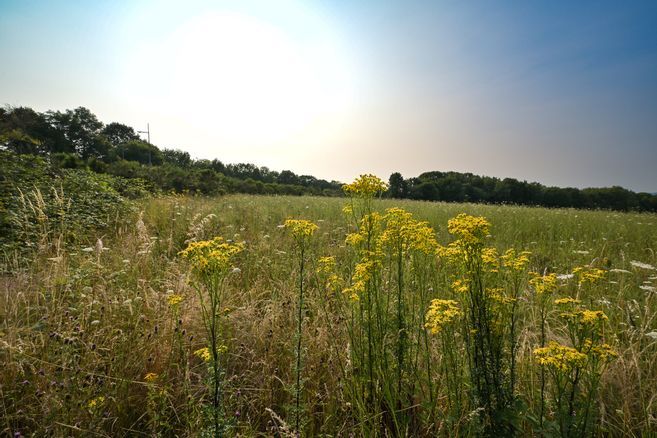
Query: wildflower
{"points": [[543, 284], [365, 186], [602, 352], [560, 357], [490, 258], [451, 252], [96, 402], [203, 353], [150, 377], [211, 255], [175, 299], [300, 228], [404, 233], [642, 265], [591, 317], [470, 230], [588, 275], [423, 238], [461, 286], [516, 261], [566, 301], [440, 314], [326, 265], [497, 295]]}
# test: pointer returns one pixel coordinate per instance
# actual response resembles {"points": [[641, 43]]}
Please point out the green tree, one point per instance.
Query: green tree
{"points": [[142, 152]]}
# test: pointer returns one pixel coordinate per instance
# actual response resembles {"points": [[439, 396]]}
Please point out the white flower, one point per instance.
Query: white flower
{"points": [[88, 249], [580, 252], [236, 270], [565, 276], [620, 271], [642, 265], [652, 334]]}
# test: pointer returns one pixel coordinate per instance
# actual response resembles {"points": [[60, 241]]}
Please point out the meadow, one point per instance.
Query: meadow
{"points": [[384, 318]]}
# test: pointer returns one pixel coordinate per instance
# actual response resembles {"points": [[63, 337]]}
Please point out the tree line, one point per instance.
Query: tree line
{"points": [[466, 187], [76, 139]]}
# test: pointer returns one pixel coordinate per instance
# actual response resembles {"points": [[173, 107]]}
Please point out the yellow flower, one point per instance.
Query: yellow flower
{"points": [[440, 314], [451, 252], [588, 275], [591, 317], [369, 226], [404, 233], [150, 377], [490, 258], [365, 186], [363, 272], [543, 284], [566, 301], [96, 402], [326, 265], [604, 352], [516, 262], [461, 286], [174, 299], [301, 228], [210, 256], [469, 230], [497, 294], [203, 353], [560, 357]]}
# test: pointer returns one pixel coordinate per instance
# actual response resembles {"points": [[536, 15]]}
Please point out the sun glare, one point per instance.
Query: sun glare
{"points": [[249, 80]]}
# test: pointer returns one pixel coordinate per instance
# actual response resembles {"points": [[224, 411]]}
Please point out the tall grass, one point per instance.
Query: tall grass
{"points": [[92, 341]]}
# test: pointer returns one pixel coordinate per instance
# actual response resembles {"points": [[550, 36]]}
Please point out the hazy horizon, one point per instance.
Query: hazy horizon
{"points": [[561, 94]]}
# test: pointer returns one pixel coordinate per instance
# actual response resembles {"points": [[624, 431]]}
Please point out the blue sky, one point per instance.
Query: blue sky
{"points": [[564, 93]]}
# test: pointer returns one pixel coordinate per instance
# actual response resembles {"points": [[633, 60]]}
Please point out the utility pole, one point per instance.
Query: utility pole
{"points": [[148, 134]]}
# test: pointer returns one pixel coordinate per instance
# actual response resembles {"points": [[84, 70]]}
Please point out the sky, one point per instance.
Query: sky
{"points": [[559, 92]]}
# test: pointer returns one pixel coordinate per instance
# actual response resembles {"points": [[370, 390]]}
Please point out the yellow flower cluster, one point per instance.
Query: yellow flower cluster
{"points": [[363, 272], [516, 261], [96, 402], [175, 299], [365, 186], [150, 377], [369, 227], [211, 255], [327, 268], [497, 294], [591, 317], [543, 284], [461, 286], [470, 230], [450, 252], [300, 228], [405, 233], [566, 301], [560, 357], [203, 353], [490, 257], [440, 314], [588, 275], [602, 352], [326, 265]]}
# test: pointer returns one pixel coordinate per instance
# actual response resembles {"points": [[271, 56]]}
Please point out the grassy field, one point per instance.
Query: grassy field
{"points": [[108, 338]]}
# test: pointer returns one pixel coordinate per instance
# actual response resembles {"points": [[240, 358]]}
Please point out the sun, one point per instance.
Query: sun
{"points": [[248, 80]]}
